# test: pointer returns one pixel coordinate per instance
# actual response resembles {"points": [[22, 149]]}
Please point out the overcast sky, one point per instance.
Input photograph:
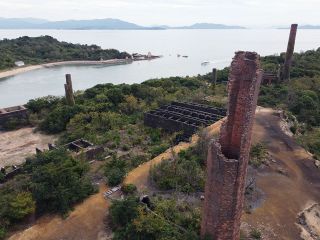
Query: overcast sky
{"points": [[171, 12]]}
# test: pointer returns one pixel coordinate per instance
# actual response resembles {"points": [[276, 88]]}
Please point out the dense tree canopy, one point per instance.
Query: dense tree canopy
{"points": [[35, 50], [58, 180]]}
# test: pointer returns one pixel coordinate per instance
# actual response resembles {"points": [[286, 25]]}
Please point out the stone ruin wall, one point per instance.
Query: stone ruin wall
{"points": [[228, 157], [12, 112]]}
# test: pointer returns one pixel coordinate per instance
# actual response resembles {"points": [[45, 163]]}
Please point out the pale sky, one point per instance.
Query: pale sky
{"points": [[261, 13]]}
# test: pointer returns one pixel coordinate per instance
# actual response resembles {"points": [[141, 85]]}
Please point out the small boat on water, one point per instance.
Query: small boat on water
{"points": [[185, 56], [205, 63]]}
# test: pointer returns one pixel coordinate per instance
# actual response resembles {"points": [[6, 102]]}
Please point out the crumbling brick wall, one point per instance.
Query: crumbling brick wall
{"points": [[228, 157]]}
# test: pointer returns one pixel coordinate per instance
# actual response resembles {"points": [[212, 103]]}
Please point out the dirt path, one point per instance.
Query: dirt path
{"points": [[15, 146], [86, 222], [287, 192]]}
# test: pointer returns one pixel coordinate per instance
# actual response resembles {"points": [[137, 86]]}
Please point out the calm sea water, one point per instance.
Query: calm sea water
{"points": [[215, 46]]}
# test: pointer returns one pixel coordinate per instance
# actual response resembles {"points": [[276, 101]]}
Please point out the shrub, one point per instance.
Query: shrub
{"points": [[156, 150], [38, 104], [115, 171], [21, 205], [129, 189], [58, 181], [258, 154], [123, 212], [125, 147], [2, 232], [15, 123], [115, 176], [2, 176], [184, 173], [56, 121], [93, 126], [256, 234]]}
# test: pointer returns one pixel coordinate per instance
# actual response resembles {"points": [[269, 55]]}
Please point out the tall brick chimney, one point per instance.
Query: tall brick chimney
{"points": [[289, 54], [228, 157], [69, 90], [214, 76]]}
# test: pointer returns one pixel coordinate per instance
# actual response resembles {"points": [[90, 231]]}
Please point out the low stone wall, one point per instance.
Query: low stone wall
{"points": [[12, 112]]}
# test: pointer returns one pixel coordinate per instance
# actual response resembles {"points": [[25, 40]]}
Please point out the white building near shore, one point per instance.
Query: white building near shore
{"points": [[19, 63]]}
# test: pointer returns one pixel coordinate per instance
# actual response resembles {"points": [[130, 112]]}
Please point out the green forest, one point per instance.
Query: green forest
{"points": [[45, 49], [112, 116]]}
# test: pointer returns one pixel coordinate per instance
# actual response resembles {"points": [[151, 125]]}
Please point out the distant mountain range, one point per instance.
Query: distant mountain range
{"points": [[108, 24]]}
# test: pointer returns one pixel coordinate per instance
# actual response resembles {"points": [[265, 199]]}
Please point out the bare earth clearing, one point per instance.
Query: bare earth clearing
{"points": [[289, 184], [15, 146]]}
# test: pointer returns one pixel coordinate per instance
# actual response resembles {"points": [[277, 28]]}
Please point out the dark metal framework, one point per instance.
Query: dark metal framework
{"points": [[183, 117]]}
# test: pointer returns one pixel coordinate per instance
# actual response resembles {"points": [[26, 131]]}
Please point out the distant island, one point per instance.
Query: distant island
{"points": [[208, 26], [104, 24], [303, 27]]}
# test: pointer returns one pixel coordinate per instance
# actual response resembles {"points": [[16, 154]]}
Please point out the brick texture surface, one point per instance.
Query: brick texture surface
{"points": [[229, 155]]}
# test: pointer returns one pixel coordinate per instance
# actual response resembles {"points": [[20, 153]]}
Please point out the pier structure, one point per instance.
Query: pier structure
{"points": [[228, 156]]}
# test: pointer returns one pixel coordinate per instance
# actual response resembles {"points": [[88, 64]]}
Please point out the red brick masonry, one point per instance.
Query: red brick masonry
{"points": [[289, 53], [228, 157]]}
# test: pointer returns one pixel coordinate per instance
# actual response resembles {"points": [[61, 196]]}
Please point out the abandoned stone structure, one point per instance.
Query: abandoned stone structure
{"points": [[229, 155], [289, 54], [183, 117], [80, 146], [269, 78], [13, 112], [10, 173], [69, 90], [85, 147]]}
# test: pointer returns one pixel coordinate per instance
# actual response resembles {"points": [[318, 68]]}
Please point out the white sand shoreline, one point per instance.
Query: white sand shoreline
{"points": [[15, 71]]}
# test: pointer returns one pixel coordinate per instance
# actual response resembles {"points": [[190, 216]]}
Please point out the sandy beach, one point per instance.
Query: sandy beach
{"points": [[15, 71]]}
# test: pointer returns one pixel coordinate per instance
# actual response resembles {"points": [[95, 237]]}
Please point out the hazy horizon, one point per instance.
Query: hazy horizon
{"points": [[249, 13]]}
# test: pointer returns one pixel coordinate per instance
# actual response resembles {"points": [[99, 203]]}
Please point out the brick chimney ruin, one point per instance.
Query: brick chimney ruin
{"points": [[69, 90], [289, 54], [229, 155]]}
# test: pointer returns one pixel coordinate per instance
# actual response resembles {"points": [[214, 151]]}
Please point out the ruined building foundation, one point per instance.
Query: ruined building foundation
{"points": [[229, 155], [69, 90], [289, 54]]}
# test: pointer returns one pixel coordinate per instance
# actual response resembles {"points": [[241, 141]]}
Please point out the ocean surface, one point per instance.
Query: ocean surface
{"points": [[215, 46]]}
